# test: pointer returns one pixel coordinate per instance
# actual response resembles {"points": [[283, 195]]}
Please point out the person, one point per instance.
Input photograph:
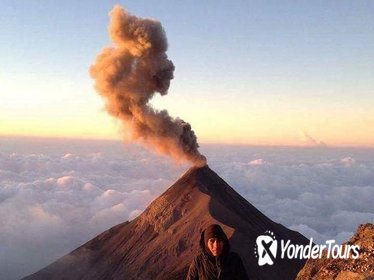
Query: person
{"points": [[216, 262]]}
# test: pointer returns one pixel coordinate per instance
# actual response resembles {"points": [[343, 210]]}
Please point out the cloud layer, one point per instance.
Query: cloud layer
{"points": [[323, 193], [56, 195]]}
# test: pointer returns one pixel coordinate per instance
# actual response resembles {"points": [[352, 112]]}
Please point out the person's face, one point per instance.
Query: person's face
{"points": [[215, 246]]}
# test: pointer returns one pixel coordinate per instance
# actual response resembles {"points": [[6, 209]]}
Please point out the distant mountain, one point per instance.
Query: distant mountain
{"points": [[162, 241], [360, 269]]}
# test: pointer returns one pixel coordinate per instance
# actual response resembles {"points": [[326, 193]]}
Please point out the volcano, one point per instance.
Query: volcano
{"points": [[163, 240]]}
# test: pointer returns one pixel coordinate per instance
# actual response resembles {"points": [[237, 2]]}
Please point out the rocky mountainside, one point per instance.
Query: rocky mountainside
{"points": [[349, 269], [162, 241]]}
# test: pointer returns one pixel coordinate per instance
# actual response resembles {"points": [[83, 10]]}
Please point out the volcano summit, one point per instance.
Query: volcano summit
{"points": [[162, 241]]}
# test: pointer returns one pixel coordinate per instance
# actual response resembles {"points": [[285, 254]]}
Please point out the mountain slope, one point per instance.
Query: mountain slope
{"points": [[161, 242], [349, 269]]}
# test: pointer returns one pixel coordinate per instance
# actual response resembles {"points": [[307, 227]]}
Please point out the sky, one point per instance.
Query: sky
{"points": [[247, 72], [55, 195]]}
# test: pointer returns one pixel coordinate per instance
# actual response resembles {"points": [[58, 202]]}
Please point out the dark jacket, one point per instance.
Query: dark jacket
{"points": [[227, 266]]}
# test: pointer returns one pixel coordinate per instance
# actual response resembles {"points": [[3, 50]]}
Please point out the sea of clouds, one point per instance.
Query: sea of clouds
{"points": [[57, 194]]}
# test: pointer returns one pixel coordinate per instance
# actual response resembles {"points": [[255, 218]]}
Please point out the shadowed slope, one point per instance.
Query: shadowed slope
{"points": [[161, 242]]}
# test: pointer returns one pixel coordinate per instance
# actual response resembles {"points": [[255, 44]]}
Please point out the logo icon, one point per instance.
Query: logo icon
{"points": [[266, 248]]}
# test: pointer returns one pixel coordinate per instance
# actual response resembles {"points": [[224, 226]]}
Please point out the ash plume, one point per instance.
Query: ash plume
{"points": [[128, 74]]}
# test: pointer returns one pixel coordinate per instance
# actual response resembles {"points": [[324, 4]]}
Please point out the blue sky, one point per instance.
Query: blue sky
{"points": [[266, 64]]}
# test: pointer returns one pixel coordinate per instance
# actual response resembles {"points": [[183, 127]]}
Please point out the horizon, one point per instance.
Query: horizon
{"points": [[130, 142]]}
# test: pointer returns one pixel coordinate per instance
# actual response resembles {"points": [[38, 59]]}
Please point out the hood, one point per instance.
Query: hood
{"points": [[226, 245]]}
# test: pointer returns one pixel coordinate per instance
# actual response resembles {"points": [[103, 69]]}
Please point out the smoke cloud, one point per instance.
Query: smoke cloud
{"points": [[128, 74]]}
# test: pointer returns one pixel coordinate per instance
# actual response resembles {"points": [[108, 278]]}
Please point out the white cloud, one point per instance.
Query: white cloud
{"points": [[107, 217], [255, 162], [55, 197], [348, 161]]}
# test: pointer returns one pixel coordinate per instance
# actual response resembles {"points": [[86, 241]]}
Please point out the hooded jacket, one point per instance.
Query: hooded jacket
{"points": [[227, 266]]}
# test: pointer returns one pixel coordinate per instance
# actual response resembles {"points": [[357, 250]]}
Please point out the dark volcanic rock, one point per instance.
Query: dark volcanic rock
{"points": [[161, 242], [345, 269]]}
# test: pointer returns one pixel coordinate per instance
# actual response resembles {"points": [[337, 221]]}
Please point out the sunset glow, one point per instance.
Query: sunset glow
{"points": [[259, 86]]}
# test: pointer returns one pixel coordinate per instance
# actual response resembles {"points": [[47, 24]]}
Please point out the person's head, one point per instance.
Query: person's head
{"points": [[215, 240]]}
